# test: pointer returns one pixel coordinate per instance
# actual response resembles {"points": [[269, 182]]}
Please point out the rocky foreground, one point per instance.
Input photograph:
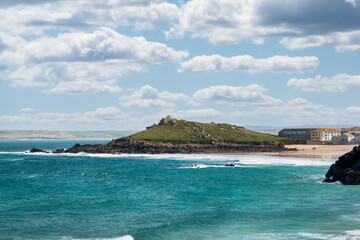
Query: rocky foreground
{"points": [[346, 169]]}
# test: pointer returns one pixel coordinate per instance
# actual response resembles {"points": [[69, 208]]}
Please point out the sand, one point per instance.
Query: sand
{"points": [[314, 151]]}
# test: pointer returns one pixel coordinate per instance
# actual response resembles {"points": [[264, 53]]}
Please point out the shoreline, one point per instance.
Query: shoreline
{"points": [[312, 151], [304, 151]]}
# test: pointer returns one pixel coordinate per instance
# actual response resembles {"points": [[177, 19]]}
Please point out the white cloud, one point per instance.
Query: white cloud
{"points": [[146, 17], [27, 109], [144, 103], [353, 2], [197, 113], [82, 86], [50, 74], [343, 41], [148, 96], [252, 94], [337, 83], [77, 58], [353, 110], [277, 64], [296, 111], [34, 18], [234, 21], [104, 44], [219, 21]]}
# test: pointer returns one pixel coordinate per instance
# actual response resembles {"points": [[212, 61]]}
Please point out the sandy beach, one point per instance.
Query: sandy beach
{"points": [[314, 151]]}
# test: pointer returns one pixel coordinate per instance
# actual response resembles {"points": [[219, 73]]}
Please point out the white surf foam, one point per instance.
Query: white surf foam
{"points": [[236, 159], [241, 159], [265, 160], [347, 235], [126, 237]]}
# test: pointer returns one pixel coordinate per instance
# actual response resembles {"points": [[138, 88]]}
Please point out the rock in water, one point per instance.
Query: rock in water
{"points": [[346, 169], [36, 150], [230, 165]]}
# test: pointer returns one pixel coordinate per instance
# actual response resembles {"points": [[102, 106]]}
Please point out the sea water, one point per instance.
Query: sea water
{"points": [[148, 197]]}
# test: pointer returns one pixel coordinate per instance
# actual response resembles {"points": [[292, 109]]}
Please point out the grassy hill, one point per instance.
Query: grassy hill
{"points": [[181, 131]]}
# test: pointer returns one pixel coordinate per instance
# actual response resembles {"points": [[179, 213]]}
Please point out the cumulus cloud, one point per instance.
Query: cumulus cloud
{"points": [[343, 41], [147, 96], [96, 46], [82, 86], [230, 22], [219, 21], [34, 17], [293, 112], [278, 64], [252, 94], [50, 74], [72, 59], [337, 83]]}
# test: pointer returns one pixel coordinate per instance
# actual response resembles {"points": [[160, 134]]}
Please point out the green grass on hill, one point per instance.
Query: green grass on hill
{"points": [[193, 132]]}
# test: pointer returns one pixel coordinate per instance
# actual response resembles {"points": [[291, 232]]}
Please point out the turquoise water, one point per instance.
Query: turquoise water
{"points": [[158, 197]]}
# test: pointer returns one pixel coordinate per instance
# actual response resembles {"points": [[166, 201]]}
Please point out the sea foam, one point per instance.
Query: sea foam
{"points": [[126, 237], [236, 159], [348, 235]]}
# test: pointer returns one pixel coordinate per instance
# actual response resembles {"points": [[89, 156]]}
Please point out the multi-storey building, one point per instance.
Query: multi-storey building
{"points": [[346, 138], [326, 134], [352, 130], [313, 134], [303, 133]]}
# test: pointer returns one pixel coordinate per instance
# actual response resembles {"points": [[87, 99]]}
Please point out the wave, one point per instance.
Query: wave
{"points": [[346, 235], [127, 237], [260, 160], [196, 166], [11, 159], [352, 234], [237, 159]]}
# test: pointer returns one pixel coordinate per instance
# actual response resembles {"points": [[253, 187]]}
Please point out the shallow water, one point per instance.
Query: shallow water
{"points": [[44, 196]]}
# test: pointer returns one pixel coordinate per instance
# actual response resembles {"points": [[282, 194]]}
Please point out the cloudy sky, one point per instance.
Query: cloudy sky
{"points": [[124, 64]]}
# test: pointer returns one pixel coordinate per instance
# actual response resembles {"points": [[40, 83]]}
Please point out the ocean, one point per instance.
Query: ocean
{"points": [[152, 197]]}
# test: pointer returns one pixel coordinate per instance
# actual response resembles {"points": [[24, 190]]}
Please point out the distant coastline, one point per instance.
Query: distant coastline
{"points": [[61, 135]]}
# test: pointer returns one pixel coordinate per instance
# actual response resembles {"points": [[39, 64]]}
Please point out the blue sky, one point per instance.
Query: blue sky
{"points": [[125, 64]]}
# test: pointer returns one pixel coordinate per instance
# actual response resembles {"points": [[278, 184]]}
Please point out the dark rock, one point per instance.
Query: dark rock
{"points": [[346, 169], [60, 150], [129, 145], [229, 165], [36, 150]]}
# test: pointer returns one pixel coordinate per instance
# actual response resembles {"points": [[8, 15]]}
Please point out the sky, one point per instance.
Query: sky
{"points": [[125, 64]]}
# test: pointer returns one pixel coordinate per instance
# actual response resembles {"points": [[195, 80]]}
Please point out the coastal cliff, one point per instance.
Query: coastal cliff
{"points": [[171, 135], [346, 169]]}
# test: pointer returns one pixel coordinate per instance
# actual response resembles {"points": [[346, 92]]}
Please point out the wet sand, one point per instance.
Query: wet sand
{"points": [[313, 151]]}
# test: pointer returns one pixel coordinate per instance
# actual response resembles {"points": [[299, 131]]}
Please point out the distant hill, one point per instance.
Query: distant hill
{"points": [[44, 134]]}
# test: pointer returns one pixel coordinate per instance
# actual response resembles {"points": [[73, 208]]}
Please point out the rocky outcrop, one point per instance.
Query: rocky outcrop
{"points": [[346, 169], [128, 145], [36, 150], [168, 120]]}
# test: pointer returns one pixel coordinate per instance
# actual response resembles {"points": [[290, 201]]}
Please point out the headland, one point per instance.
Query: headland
{"points": [[171, 135]]}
